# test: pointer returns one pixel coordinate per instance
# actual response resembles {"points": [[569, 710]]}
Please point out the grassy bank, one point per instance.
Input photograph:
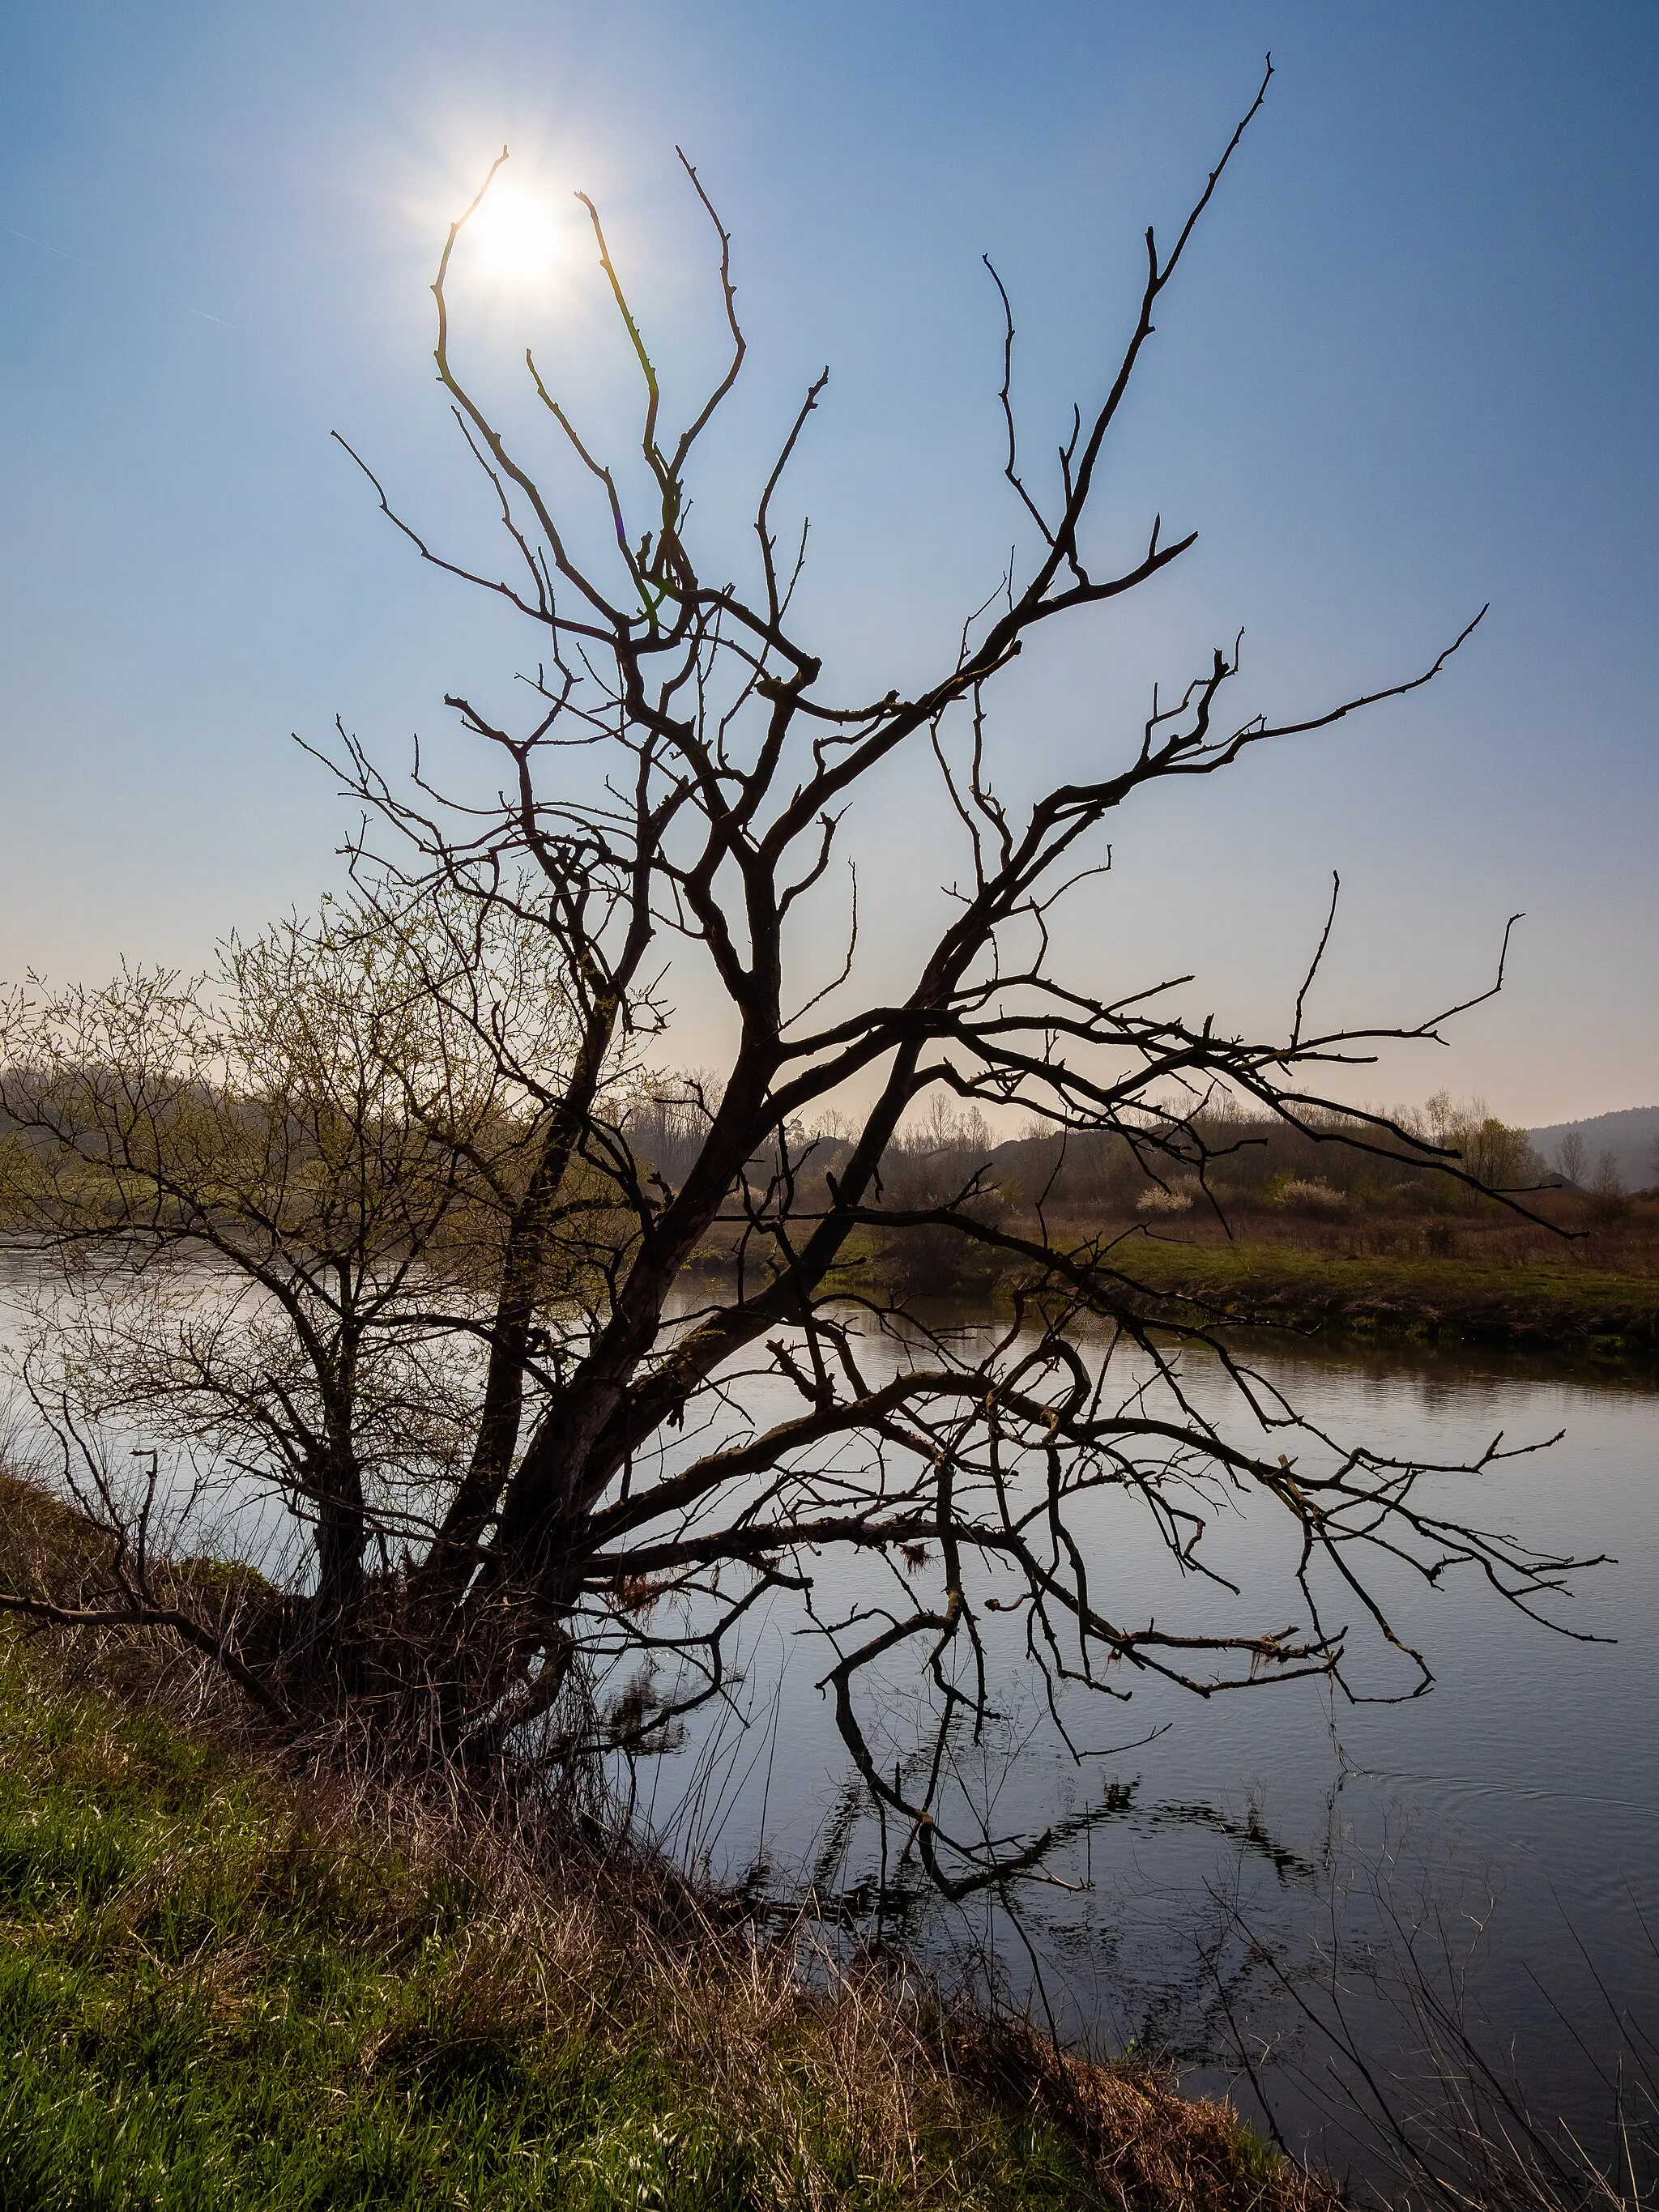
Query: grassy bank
{"points": [[1586, 1296], [1556, 1309], [1570, 1283], [219, 1988]]}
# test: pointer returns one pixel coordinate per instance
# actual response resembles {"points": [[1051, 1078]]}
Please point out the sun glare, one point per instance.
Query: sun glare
{"points": [[514, 234]]}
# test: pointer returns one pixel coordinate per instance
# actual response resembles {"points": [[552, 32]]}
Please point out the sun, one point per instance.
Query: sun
{"points": [[514, 234]]}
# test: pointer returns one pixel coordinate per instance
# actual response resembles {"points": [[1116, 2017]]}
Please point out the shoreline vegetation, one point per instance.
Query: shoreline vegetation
{"points": [[1302, 1229], [1575, 1313], [1551, 1297], [1566, 1311], [224, 1981], [1269, 1225]]}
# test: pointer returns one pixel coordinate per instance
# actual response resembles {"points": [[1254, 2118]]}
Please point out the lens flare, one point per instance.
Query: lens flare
{"points": [[514, 234]]}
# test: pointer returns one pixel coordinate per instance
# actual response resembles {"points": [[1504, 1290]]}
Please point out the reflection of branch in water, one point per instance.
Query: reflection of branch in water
{"points": [[1252, 1834], [838, 1836], [890, 1901]]}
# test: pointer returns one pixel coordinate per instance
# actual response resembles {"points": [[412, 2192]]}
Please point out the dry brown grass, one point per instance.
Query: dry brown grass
{"points": [[795, 2043], [475, 1935]]}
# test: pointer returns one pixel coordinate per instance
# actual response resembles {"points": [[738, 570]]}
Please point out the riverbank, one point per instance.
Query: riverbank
{"points": [[221, 1985], [1564, 1310], [1582, 1297]]}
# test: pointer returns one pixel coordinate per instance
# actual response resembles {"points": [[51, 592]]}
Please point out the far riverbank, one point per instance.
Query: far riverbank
{"points": [[1565, 1310], [1561, 1283]]}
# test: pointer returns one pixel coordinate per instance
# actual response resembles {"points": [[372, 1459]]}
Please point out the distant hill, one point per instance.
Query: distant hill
{"points": [[1629, 1136]]}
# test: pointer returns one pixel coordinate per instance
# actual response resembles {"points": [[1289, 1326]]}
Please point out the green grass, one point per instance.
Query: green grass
{"points": [[1556, 1309], [216, 1991]]}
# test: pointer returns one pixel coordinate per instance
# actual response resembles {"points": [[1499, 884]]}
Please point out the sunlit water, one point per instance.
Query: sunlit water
{"points": [[1516, 1806]]}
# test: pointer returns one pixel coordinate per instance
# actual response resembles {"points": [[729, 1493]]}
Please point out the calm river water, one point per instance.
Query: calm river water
{"points": [[1264, 1849], [1269, 1849]]}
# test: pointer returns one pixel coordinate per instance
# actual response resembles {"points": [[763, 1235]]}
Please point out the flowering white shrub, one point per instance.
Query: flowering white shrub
{"points": [[1312, 1196], [1175, 1199]]}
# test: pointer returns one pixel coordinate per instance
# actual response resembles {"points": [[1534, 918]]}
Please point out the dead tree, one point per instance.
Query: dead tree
{"points": [[619, 1493]]}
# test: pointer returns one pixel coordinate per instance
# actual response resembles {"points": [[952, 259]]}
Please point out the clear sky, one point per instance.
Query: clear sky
{"points": [[1410, 368]]}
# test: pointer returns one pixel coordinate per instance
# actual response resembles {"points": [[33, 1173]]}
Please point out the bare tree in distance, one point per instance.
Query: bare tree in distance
{"points": [[1609, 1202], [658, 1446], [1571, 1158]]}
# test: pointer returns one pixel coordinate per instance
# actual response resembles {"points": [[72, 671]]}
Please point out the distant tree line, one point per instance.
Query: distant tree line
{"points": [[1324, 1161]]}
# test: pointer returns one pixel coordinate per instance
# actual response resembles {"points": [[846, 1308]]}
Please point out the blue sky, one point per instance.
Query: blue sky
{"points": [[1407, 371]]}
